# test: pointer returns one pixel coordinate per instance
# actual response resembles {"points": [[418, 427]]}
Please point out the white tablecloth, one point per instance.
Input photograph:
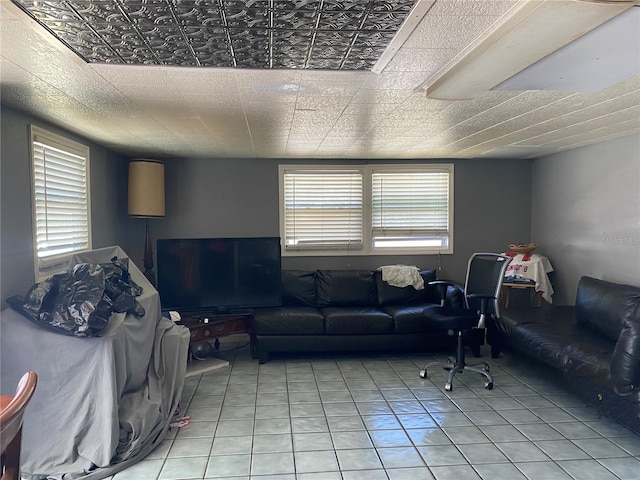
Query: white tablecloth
{"points": [[532, 267], [101, 403]]}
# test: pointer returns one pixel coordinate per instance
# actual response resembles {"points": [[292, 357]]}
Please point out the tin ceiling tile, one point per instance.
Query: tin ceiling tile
{"points": [[303, 34]]}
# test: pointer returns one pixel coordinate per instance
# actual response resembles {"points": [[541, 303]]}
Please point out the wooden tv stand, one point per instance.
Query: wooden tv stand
{"points": [[214, 326]]}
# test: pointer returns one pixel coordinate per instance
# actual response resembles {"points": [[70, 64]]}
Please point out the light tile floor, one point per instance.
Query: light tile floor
{"points": [[371, 417]]}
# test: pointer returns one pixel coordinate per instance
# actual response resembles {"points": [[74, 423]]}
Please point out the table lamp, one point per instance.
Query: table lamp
{"points": [[146, 200]]}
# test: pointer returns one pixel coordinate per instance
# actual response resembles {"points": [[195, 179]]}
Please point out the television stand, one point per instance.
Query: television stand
{"points": [[207, 327]]}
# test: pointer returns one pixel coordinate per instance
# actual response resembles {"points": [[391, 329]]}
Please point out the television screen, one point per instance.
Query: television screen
{"points": [[219, 274]]}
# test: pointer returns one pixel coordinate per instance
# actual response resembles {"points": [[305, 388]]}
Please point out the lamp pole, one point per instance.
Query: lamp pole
{"points": [[148, 256]]}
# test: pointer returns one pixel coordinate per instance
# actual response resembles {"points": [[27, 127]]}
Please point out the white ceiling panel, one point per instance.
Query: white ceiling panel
{"points": [[472, 7]]}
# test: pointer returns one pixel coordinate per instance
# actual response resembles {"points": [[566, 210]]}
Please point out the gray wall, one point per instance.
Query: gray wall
{"points": [[108, 200], [586, 214], [229, 198]]}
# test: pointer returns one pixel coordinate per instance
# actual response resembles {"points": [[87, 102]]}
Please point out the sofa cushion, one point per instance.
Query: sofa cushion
{"points": [[287, 321], [346, 288], [603, 306], [529, 331], [410, 318], [625, 361], [299, 288], [390, 295], [356, 321]]}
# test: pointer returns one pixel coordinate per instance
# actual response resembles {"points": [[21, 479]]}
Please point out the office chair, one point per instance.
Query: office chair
{"points": [[11, 417], [485, 273]]}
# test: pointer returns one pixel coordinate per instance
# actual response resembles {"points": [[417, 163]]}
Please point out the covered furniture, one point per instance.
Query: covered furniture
{"points": [[349, 310], [102, 403], [485, 272], [12, 410], [593, 346]]}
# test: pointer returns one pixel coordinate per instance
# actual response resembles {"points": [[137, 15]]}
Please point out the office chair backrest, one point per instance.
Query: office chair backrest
{"points": [[11, 417], [485, 273]]}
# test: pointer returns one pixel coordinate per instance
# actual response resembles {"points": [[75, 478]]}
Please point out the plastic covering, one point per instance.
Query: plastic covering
{"points": [[79, 301]]}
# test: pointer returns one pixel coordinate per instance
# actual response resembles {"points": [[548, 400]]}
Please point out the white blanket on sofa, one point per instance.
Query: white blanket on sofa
{"points": [[402, 276]]}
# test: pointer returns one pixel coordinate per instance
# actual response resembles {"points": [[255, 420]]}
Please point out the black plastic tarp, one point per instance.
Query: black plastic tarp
{"points": [[80, 300]]}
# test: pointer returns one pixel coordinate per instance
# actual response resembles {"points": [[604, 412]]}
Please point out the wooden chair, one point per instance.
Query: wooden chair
{"points": [[11, 417]]}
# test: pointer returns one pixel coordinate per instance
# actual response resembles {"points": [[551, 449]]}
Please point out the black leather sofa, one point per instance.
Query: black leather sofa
{"points": [[594, 345], [351, 310]]}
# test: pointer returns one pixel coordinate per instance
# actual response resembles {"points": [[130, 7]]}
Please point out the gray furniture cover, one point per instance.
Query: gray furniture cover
{"points": [[101, 403]]}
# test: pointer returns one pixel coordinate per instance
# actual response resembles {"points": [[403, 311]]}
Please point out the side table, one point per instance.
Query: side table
{"points": [[506, 292]]}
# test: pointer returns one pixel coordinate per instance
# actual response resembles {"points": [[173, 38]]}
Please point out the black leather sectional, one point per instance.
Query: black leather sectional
{"points": [[593, 345], [350, 310]]}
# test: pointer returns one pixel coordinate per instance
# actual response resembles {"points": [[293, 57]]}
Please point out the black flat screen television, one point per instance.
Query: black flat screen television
{"points": [[219, 274]]}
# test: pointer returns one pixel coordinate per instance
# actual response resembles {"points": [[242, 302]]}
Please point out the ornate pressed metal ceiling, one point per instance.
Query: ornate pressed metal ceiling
{"points": [[304, 34]]}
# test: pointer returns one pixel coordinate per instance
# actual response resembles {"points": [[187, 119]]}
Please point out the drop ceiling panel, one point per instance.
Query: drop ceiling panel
{"points": [[585, 137], [564, 133], [439, 28], [425, 61], [472, 7]]}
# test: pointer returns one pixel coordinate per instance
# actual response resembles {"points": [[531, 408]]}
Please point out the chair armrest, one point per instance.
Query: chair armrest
{"points": [[443, 289], [480, 296]]}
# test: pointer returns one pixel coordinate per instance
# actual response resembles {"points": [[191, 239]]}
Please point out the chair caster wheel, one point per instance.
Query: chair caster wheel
{"points": [[448, 387], [488, 385], [486, 368], [423, 374]]}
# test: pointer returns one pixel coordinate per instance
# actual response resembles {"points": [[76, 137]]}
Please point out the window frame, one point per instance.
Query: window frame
{"points": [[367, 172], [50, 264]]}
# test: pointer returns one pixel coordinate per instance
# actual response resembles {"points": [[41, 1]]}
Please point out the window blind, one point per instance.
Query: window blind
{"points": [[323, 209], [60, 196], [410, 208]]}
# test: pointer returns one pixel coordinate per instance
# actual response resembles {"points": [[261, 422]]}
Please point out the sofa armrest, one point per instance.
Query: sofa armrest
{"points": [[625, 361]]}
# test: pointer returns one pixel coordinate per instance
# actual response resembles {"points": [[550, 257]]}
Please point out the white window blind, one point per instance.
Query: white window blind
{"points": [[323, 209], [410, 208], [60, 197]]}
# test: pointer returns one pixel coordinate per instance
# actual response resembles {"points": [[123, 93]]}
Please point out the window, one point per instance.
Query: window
{"points": [[323, 209], [373, 209], [60, 196], [410, 209]]}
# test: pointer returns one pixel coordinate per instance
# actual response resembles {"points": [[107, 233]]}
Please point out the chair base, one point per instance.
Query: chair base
{"points": [[458, 365], [454, 368]]}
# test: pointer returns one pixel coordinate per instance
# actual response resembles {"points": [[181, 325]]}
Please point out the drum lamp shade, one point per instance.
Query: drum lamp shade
{"points": [[146, 188]]}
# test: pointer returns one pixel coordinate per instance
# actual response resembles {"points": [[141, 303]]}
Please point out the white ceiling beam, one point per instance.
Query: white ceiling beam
{"points": [[418, 11]]}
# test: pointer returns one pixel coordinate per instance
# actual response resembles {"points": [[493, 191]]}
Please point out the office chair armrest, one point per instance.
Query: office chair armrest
{"points": [[480, 296], [441, 289]]}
